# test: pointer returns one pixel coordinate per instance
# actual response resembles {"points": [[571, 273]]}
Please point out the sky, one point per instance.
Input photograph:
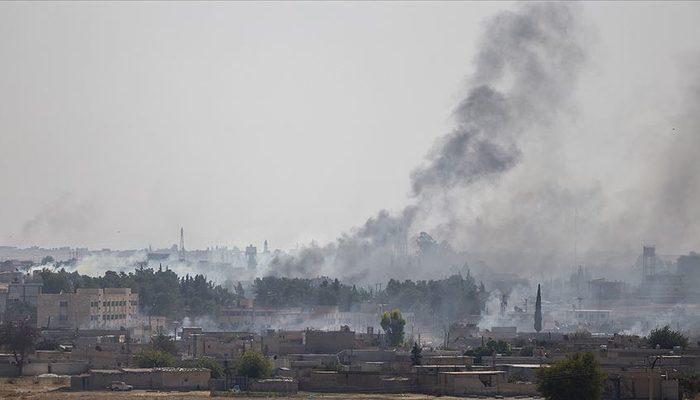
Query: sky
{"points": [[291, 122]]}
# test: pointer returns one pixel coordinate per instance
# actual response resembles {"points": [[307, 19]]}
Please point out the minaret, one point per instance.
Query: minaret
{"points": [[182, 244]]}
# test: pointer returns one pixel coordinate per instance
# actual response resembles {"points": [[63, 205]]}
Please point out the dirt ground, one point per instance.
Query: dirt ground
{"points": [[51, 389]]}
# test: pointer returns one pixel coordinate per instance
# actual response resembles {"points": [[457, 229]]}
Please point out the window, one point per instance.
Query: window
{"points": [[63, 303], [63, 317]]}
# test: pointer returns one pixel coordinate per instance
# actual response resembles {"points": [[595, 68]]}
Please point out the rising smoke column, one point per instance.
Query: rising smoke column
{"points": [[524, 75], [673, 219]]}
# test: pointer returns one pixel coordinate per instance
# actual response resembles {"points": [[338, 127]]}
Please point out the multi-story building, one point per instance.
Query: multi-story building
{"points": [[109, 308], [24, 292]]}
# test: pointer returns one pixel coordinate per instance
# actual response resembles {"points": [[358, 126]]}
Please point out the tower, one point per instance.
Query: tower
{"points": [[265, 248], [251, 253], [181, 251], [648, 262]]}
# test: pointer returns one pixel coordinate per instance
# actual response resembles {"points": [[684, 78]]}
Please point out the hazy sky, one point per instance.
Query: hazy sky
{"points": [[121, 122]]}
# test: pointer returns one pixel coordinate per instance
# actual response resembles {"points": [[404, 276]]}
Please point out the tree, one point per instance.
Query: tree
{"points": [[18, 338], [666, 338], [217, 371], [578, 377], [47, 260], [254, 365], [538, 310], [393, 324], [426, 244], [240, 292], [492, 347], [416, 354], [151, 358], [163, 343]]}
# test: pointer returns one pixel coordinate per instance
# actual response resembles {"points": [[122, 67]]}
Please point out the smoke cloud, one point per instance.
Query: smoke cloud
{"points": [[525, 73], [61, 216]]}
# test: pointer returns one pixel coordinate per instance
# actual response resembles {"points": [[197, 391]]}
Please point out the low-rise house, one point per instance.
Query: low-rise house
{"points": [[362, 382], [283, 342], [329, 341], [220, 345], [145, 378]]}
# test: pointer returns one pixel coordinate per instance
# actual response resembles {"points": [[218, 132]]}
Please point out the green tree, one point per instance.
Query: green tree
{"points": [[217, 371], [538, 310], [254, 365], [499, 347], [492, 347], [17, 337], [163, 343], [666, 338], [416, 354], [393, 324], [578, 377], [151, 358]]}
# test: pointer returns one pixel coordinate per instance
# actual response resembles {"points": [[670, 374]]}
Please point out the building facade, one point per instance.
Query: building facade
{"points": [[109, 308]]}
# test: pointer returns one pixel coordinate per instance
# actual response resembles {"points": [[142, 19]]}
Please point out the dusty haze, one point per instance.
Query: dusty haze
{"points": [[495, 128]]}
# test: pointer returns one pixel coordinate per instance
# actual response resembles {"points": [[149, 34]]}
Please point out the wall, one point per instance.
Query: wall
{"points": [[328, 341], [365, 382], [58, 368], [274, 385]]}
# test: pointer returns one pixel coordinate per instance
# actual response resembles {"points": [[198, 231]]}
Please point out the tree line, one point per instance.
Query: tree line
{"points": [[452, 298], [271, 291], [161, 291]]}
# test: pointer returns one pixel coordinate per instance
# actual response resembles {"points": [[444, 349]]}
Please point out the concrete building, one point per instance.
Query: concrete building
{"points": [[24, 292], [220, 345], [603, 292], [329, 341], [145, 378], [248, 317], [109, 308], [688, 268]]}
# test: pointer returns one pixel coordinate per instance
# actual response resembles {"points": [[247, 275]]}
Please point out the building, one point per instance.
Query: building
{"points": [[688, 268], [109, 308], [329, 341], [249, 317], [24, 292], [605, 292], [145, 378], [220, 345], [648, 262]]}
